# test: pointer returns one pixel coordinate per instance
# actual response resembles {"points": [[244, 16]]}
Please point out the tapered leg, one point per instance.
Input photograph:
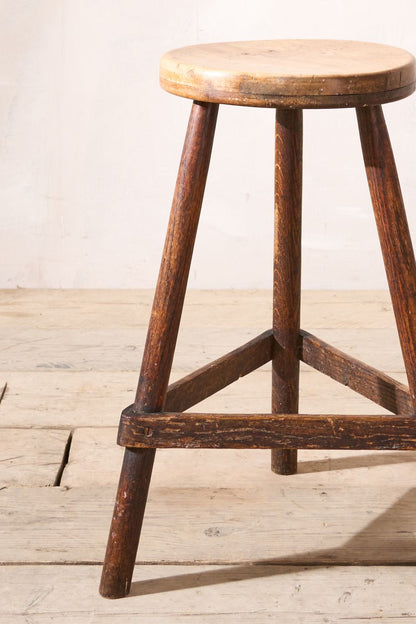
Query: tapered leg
{"points": [[159, 348], [393, 230], [286, 280]]}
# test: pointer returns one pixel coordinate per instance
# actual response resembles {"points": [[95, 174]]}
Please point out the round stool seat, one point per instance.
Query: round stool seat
{"points": [[290, 73]]}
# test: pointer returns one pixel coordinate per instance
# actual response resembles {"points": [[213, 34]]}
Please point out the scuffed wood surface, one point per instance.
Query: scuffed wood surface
{"points": [[350, 506], [31, 457], [77, 309], [85, 398], [231, 467], [92, 398], [305, 431], [283, 522], [205, 594], [289, 73], [121, 349]]}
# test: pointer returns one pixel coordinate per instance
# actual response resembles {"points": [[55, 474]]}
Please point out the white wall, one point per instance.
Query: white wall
{"points": [[90, 145]]}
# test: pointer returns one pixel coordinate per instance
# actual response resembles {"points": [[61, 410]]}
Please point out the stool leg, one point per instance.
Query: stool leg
{"points": [[286, 280], [159, 348], [393, 230]]}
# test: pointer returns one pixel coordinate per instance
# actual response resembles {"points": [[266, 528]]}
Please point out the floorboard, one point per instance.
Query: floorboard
{"points": [[31, 457], [257, 594], [224, 538], [284, 523], [91, 398]]}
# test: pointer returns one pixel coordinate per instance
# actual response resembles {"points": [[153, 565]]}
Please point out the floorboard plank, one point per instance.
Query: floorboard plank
{"points": [[70, 359], [95, 459], [284, 523], [121, 349], [31, 457], [91, 398], [233, 594], [63, 309]]}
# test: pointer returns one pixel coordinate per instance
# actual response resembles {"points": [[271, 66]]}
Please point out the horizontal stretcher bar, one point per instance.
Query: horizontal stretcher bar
{"points": [[304, 431]]}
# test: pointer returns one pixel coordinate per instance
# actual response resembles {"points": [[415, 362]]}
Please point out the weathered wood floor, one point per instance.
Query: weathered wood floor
{"points": [[224, 539]]}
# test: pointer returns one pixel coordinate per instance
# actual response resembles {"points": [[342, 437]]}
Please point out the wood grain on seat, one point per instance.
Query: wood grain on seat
{"points": [[294, 73]]}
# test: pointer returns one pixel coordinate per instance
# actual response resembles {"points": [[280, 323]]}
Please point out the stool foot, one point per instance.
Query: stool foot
{"points": [[127, 522], [284, 461]]}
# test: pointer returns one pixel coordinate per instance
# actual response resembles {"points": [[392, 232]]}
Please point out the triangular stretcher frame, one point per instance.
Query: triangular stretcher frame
{"points": [[174, 429]]}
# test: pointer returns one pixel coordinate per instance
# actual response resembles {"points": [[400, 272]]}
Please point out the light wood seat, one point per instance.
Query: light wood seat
{"points": [[290, 73]]}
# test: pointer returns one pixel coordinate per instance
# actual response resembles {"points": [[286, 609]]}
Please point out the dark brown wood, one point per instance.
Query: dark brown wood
{"points": [[218, 374], [286, 275], [360, 377], [322, 431], [393, 231], [160, 345]]}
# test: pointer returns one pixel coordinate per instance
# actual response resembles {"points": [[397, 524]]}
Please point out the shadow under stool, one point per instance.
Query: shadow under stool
{"points": [[287, 75]]}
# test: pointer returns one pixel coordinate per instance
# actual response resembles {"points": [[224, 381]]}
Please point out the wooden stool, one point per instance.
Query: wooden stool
{"points": [[287, 76]]}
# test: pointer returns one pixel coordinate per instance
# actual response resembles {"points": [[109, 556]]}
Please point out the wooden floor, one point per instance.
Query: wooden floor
{"points": [[224, 539]]}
